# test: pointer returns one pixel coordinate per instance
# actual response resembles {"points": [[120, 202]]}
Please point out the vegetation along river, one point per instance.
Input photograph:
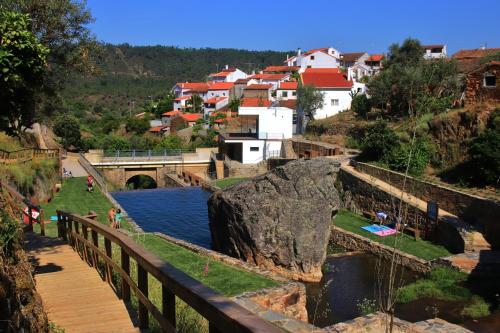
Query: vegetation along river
{"points": [[178, 212]]}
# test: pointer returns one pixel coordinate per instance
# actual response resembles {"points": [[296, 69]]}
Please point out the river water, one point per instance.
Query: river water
{"points": [[178, 212]]}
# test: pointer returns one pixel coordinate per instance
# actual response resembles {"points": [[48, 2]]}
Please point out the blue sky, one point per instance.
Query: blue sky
{"points": [[349, 26]]}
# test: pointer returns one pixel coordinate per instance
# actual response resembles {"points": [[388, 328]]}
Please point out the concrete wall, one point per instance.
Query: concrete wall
{"points": [[328, 110], [482, 213]]}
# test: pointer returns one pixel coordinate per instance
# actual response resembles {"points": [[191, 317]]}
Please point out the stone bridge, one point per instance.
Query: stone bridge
{"points": [[120, 166]]}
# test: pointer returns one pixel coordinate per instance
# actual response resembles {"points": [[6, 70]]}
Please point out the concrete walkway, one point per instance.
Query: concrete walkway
{"points": [[70, 163]]}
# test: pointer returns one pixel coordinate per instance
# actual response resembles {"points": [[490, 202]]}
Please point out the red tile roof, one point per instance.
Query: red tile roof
{"points": [[242, 81], [156, 129], [289, 103], [325, 79], [255, 86], [352, 57], [221, 86], [191, 116], [291, 85], [195, 86], [214, 100], [284, 69], [473, 54], [433, 46], [180, 98], [254, 102], [171, 113], [375, 57], [323, 70], [270, 77]]}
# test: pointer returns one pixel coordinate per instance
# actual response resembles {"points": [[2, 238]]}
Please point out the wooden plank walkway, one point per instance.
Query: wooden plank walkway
{"points": [[74, 295]]}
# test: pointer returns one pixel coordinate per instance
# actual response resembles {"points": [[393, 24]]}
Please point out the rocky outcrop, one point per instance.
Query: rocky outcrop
{"points": [[280, 220]]}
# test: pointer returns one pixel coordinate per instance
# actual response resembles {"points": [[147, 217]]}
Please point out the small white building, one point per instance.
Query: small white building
{"points": [[264, 78], [435, 51], [228, 74], [326, 57], [180, 102], [287, 90], [191, 88], [213, 104], [220, 89], [336, 89], [259, 133]]}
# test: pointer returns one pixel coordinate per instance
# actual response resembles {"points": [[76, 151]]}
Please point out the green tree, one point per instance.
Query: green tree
{"points": [[195, 103], [409, 53], [378, 142], [68, 129], [171, 142], [139, 126], [484, 158], [361, 105], [114, 142], [417, 155], [22, 63], [165, 104], [309, 99], [234, 104]]}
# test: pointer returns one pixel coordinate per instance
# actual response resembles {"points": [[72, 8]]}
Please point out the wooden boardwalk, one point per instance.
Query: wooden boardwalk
{"points": [[74, 295]]}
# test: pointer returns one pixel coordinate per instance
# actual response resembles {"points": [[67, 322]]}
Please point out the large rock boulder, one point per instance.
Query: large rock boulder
{"points": [[280, 220]]}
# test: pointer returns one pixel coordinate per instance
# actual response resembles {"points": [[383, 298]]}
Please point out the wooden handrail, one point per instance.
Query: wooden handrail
{"points": [[223, 314], [26, 154]]}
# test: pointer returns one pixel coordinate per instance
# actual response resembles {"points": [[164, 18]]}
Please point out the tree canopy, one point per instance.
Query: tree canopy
{"points": [[309, 99]]}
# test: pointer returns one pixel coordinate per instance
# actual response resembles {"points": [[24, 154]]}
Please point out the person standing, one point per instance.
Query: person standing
{"points": [[118, 218], [111, 217], [90, 183]]}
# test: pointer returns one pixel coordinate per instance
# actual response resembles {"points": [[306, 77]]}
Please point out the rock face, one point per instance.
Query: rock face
{"points": [[280, 220]]}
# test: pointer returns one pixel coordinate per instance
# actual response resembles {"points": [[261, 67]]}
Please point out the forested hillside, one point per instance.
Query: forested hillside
{"points": [[130, 76]]}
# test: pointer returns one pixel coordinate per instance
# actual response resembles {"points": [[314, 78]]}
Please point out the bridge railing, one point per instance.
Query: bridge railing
{"points": [[222, 314], [144, 155]]}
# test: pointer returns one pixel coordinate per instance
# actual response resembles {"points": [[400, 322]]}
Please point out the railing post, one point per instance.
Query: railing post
{"points": [[69, 230], [30, 218], [95, 255], [125, 259], [60, 233], [168, 304], [212, 328], [86, 237], [142, 281], [107, 245], [42, 225]]}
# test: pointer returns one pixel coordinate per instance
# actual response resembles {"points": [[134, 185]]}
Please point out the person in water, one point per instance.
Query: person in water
{"points": [[111, 217], [118, 218]]}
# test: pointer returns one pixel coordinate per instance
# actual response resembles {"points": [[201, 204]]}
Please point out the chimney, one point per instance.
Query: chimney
{"points": [[299, 52], [227, 66], [349, 73]]}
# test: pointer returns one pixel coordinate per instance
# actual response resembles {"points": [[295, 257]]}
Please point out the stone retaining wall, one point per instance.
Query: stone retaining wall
{"points": [[483, 213], [355, 242]]}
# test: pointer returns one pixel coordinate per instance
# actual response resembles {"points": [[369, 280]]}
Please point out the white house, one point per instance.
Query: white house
{"points": [[326, 57], [264, 78], [213, 104], [258, 134], [191, 88], [286, 91], [336, 89], [220, 89], [180, 102], [434, 51], [374, 62], [228, 74]]}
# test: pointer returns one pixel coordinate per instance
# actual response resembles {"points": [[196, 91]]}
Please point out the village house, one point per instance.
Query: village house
{"points": [[228, 74], [468, 60], [257, 133], [221, 89], [257, 90], [166, 117], [326, 57], [354, 58], [435, 51], [482, 83], [287, 90], [281, 69], [239, 86], [273, 79], [375, 63], [336, 89], [191, 88], [214, 104], [180, 102]]}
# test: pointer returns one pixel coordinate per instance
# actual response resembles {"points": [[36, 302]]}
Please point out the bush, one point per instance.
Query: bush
{"points": [[171, 142], [477, 308], [139, 126], [67, 128], [484, 158], [421, 154], [378, 142], [366, 306], [361, 105]]}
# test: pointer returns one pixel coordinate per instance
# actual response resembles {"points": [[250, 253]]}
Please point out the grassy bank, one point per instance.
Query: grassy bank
{"points": [[419, 248], [222, 183]]}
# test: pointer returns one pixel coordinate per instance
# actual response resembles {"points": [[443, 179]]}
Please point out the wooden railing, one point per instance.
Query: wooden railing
{"points": [[17, 203], [222, 314], [24, 155]]}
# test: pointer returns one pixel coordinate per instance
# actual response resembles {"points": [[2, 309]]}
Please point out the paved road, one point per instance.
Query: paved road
{"points": [[70, 163]]}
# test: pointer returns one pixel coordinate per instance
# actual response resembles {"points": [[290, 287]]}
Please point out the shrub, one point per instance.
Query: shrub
{"points": [[139, 126], [421, 154], [366, 306], [67, 128], [378, 142], [361, 105], [477, 308], [171, 142], [484, 157]]}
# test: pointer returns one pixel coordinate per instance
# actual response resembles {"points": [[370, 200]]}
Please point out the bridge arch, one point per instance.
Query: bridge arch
{"points": [[141, 181]]}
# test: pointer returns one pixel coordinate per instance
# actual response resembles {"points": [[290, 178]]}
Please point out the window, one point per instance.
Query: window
{"points": [[308, 66], [490, 80], [254, 148], [284, 94], [294, 93], [335, 102], [359, 90], [312, 57]]}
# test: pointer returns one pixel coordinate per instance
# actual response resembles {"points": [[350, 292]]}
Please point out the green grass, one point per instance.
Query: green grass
{"points": [[225, 279], [477, 308], [419, 248], [222, 183]]}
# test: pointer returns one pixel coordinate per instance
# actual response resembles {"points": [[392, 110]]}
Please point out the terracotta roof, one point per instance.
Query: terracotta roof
{"points": [[214, 100], [284, 69], [352, 57], [485, 65], [375, 57], [156, 129], [290, 85], [171, 113], [195, 86], [191, 116], [325, 80], [289, 103], [270, 77], [322, 49], [221, 86], [180, 98], [241, 81], [254, 102], [474, 54], [323, 70], [256, 86]]}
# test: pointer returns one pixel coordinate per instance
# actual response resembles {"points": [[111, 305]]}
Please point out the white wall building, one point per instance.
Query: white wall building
{"points": [[326, 57], [213, 104], [220, 89], [259, 135], [434, 51], [180, 102], [228, 74], [286, 91]]}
